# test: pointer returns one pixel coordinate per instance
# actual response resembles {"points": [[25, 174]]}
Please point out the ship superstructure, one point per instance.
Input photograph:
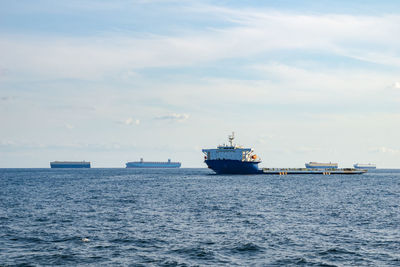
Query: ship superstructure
{"points": [[153, 164], [318, 165], [70, 164], [231, 159]]}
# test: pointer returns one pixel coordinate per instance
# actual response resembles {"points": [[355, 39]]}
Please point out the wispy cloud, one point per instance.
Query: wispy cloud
{"points": [[3, 72], [21, 144], [248, 33], [129, 121], [173, 117], [16, 145], [396, 85], [5, 143], [306, 149], [132, 121], [385, 150], [7, 98], [69, 126]]}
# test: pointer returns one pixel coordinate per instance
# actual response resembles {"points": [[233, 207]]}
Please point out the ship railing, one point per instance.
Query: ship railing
{"points": [[251, 160]]}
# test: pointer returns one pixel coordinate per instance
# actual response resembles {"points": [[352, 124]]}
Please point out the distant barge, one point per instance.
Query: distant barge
{"points": [[234, 159], [153, 164], [289, 171], [69, 164]]}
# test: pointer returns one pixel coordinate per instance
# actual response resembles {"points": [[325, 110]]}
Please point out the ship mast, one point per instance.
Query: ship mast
{"points": [[231, 137]]}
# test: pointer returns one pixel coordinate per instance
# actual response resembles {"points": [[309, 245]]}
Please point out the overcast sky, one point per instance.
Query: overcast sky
{"points": [[114, 81]]}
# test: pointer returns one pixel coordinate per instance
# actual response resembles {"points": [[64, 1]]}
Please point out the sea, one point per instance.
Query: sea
{"points": [[192, 217]]}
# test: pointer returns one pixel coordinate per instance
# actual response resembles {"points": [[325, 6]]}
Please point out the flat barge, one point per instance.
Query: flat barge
{"points": [[153, 164], [290, 171]]}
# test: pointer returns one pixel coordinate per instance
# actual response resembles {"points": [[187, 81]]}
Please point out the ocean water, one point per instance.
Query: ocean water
{"points": [[190, 217]]}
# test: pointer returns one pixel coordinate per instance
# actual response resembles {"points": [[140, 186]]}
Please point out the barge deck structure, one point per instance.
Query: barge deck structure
{"points": [[290, 171]]}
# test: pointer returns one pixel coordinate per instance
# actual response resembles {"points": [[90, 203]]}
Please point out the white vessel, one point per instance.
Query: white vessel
{"points": [[318, 165], [364, 166]]}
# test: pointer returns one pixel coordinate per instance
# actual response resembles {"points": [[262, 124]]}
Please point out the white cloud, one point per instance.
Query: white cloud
{"points": [[131, 121], [21, 144], [306, 149], [3, 72], [69, 126], [7, 98], [7, 143], [128, 121], [396, 85], [174, 117], [24, 144], [251, 32], [385, 150]]}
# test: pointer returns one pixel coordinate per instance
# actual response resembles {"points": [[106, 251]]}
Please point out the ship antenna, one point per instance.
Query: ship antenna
{"points": [[231, 137]]}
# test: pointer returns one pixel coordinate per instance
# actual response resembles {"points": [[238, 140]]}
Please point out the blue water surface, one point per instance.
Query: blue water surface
{"points": [[190, 217]]}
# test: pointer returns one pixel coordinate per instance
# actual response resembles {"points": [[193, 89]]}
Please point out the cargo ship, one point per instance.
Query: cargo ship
{"points": [[234, 159], [318, 165], [153, 164], [365, 166], [231, 159], [70, 164]]}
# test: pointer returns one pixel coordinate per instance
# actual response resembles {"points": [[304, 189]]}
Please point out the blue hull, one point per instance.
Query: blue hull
{"points": [[233, 166], [64, 166]]}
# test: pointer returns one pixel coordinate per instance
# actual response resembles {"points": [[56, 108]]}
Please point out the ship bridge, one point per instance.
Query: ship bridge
{"points": [[231, 152]]}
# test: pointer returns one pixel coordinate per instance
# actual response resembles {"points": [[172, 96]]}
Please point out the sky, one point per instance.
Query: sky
{"points": [[116, 81]]}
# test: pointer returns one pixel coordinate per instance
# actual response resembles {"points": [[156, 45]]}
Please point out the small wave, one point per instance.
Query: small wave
{"points": [[248, 247], [139, 242], [126, 200], [291, 261], [27, 239], [42, 219], [337, 251], [296, 261], [172, 263], [124, 240], [66, 239], [195, 253], [208, 242], [57, 259]]}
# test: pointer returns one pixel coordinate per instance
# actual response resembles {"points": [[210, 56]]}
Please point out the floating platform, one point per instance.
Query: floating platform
{"points": [[290, 171]]}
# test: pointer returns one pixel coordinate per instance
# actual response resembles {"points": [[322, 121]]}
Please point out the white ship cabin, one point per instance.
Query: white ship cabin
{"points": [[231, 152]]}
